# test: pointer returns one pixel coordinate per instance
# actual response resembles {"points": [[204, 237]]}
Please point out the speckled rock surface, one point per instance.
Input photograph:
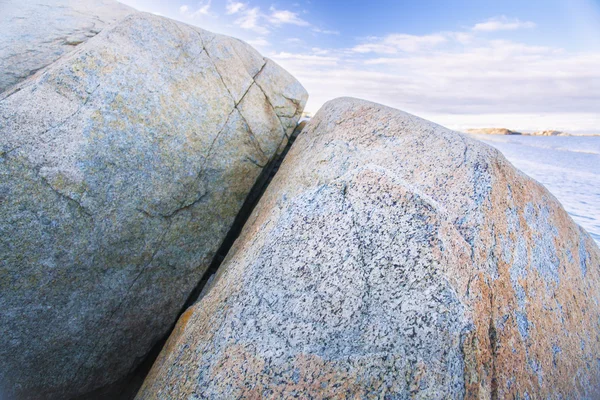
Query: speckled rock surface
{"points": [[393, 258], [35, 33], [122, 167]]}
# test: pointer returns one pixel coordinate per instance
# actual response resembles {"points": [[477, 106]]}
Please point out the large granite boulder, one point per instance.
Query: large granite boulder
{"points": [[122, 168], [35, 33], [393, 258]]}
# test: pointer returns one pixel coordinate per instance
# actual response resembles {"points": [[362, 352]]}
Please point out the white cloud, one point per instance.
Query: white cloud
{"points": [[253, 19], [234, 7], [203, 10], [259, 42], [486, 77], [460, 37], [305, 60], [502, 23], [325, 31], [280, 17], [319, 51], [250, 20], [394, 43]]}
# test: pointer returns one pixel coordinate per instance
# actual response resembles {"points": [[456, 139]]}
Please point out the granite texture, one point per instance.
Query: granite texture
{"points": [[122, 168], [35, 33], [393, 258]]}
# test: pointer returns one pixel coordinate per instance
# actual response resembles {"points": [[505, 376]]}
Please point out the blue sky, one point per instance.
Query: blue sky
{"points": [[526, 65]]}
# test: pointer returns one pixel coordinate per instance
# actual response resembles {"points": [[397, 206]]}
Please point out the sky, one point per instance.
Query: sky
{"points": [[524, 65]]}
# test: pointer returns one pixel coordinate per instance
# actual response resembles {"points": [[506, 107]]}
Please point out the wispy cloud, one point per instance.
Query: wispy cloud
{"points": [[442, 76], [306, 60], [234, 7], [255, 20], [325, 31], [259, 42], [281, 17], [203, 10], [395, 43], [250, 20], [502, 23]]}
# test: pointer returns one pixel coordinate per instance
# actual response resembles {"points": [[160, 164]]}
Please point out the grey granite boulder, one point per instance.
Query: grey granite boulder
{"points": [[122, 168], [393, 258], [35, 33]]}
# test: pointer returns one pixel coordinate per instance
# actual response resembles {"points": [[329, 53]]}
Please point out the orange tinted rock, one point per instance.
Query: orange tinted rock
{"points": [[391, 256]]}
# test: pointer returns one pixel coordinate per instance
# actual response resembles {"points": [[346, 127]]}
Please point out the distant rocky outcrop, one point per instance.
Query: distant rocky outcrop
{"points": [[35, 33], [493, 131], [393, 258], [504, 131], [549, 133], [122, 167]]}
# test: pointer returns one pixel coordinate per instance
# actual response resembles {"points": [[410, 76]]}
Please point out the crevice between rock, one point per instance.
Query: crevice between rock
{"points": [[493, 338], [127, 387], [261, 184]]}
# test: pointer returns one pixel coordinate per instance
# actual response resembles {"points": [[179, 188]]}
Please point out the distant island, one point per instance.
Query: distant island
{"points": [[504, 131]]}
